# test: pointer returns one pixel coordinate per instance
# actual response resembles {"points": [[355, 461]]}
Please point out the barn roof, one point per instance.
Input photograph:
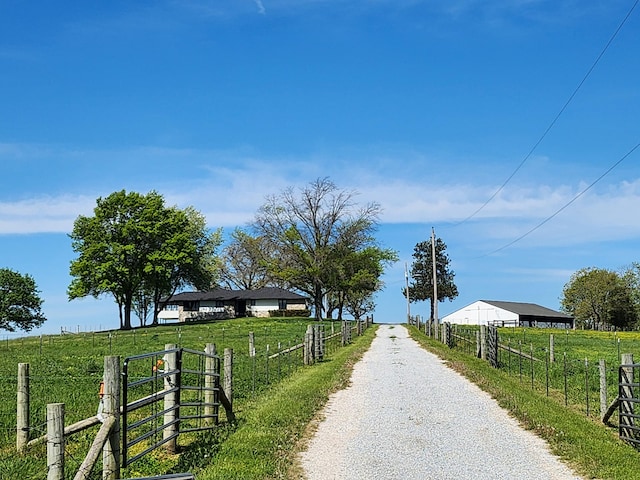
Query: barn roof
{"points": [[529, 309]]}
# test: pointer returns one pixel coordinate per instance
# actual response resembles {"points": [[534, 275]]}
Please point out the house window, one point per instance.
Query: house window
{"points": [[282, 304], [253, 303], [171, 307], [219, 303], [193, 306]]}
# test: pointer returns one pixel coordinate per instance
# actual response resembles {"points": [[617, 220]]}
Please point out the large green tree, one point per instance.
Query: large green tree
{"points": [[599, 298], [311, 231], [20, 302], [631, 276], [357, 277], [421, 284], [139, 251]]}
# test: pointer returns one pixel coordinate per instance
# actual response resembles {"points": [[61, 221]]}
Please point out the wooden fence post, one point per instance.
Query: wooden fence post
{"points": [[228, 374], [552, 356], [171, 400], [308, 345], [319, 342], [603, 389], [626, 406], [483, 342], [209, 384], [55, 441], [111, 408], [22, 412], [252, 345]]}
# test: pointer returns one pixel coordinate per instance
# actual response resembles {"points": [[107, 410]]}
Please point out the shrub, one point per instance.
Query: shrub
{"points": [[290, 313]]}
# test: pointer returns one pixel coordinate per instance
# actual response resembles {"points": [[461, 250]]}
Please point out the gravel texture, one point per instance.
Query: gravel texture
{"points": [[406, 415]]}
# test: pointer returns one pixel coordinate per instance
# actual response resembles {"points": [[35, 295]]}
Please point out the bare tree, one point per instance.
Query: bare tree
{"points": [[246, 262], [310, 231]]}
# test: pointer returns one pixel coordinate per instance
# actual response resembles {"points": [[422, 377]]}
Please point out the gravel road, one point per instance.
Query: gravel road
{"points": [[408, 416]]}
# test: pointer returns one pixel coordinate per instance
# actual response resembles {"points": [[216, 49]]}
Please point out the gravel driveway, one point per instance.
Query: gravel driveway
{"points": [[408, 416]]}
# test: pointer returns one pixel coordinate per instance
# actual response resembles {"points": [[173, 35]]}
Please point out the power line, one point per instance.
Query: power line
{"points": [[568, 203], [555, 119]]}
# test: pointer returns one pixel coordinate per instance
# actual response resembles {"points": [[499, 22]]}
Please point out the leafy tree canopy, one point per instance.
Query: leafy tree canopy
{"points": [[246, 262], [20, 302], [598, 298], [137, 250]]}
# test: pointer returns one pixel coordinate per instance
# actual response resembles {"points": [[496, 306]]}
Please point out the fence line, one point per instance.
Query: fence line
{"points": [[578, 382], [319, 346]]}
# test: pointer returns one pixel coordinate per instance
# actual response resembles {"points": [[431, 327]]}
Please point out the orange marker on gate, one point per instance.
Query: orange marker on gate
{"points": [[101, 391], [156, 367]]}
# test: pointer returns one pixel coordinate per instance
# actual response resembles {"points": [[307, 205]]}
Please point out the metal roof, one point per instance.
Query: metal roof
{"points": [[529, 309]]}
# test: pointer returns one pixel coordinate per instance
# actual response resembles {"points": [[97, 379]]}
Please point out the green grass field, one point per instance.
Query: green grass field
{"points": [[274, 400], [574, 375], [68, 369]]}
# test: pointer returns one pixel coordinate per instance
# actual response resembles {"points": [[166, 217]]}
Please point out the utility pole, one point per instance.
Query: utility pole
{"points": [[406, 282], [435, 280]]}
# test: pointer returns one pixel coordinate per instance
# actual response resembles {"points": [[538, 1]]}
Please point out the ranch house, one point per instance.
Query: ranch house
{"points": [[509, 314], [221, 303]]}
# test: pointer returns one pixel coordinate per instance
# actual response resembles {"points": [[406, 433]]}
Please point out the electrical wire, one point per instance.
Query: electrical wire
{"points": [[576, 197], [555, 119]]}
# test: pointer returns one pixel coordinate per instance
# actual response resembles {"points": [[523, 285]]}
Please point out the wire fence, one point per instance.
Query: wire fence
{"points": [[68, 369], [566, 365]]}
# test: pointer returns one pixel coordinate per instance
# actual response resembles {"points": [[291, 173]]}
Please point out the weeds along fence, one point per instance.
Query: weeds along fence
{"points": [[581, 369], [262, 364], [72, 377]]}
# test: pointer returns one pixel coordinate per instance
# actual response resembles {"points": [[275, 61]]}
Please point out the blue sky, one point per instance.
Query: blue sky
{"points": [[425, 107]]}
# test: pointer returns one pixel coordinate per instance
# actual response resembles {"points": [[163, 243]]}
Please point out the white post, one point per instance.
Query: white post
{"points": [[55, 441], [22, 412], [435, 279], [406, 284], [603, 389], [171, 401]]}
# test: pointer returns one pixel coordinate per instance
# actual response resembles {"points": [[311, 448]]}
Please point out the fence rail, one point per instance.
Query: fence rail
{"points": [[186, 381]]}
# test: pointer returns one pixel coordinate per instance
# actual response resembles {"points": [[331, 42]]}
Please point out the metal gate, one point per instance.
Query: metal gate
{"points": [[628, 409], [165, 394], [492, 346]]}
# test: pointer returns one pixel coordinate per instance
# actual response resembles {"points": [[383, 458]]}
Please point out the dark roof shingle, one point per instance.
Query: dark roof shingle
{"points": [[222, 294], [530, 309]]}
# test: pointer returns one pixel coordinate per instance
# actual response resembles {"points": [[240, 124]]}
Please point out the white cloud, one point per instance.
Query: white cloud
{"points": [[412, 187], [44, 214], [261, 9]]}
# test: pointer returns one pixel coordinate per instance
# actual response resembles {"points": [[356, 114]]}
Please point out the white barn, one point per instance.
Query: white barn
{"points": [[509, 314]]}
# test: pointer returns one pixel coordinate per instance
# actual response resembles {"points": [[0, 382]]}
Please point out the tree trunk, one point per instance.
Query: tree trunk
{"points": [[317, 299], [120, 315], [127, 313]]}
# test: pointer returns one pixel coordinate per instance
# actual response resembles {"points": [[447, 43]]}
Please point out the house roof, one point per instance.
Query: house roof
{"points": [[529, 309], [222, 294]]}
